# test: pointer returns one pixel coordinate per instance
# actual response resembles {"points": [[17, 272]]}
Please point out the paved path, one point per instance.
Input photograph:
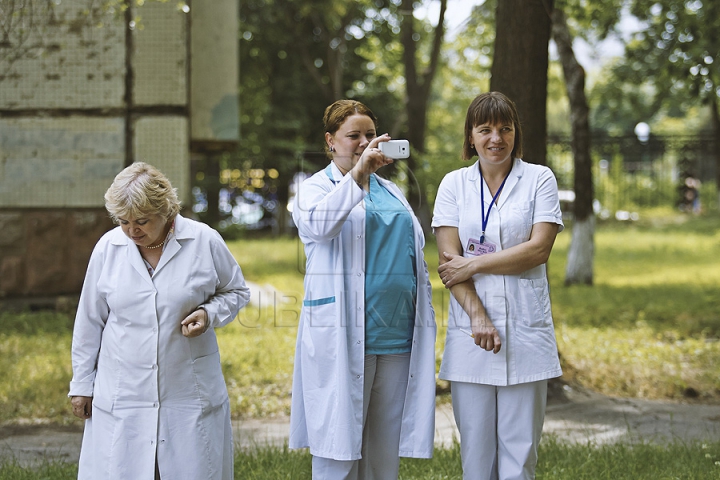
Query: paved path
{"points": [[580, 417], [590, 417]]}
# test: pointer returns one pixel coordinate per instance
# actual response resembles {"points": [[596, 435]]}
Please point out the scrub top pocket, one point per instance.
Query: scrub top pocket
{"points": [[518, 224], [535, 301]]}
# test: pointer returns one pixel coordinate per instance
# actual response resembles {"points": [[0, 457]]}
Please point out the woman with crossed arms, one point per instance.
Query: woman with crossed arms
{"points": [[495, 224]]}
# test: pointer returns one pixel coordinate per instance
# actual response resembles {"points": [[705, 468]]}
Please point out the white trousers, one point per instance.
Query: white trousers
{"points": [[500, 428], [385, 386]]}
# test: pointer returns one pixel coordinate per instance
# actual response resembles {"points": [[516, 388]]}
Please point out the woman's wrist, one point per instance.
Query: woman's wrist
{"points": [[475, 265], [207, 318], [359, 177], [484, 323]]}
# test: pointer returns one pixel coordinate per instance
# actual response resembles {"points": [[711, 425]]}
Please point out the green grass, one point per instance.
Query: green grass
{"points": [[692, 461], [35, 368], [557, 461], [649, 327], [49, 470]]}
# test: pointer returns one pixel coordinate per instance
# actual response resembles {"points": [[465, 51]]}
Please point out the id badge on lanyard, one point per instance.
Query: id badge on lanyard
{"points": [[481, 247]]}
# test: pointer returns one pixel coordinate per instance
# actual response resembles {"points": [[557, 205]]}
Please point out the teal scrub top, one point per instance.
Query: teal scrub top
{"points": [[390, 276]]}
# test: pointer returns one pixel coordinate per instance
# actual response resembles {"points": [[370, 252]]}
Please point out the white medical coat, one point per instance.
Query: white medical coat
{"points": [[518, 305], [153, 389], [327, 393]]}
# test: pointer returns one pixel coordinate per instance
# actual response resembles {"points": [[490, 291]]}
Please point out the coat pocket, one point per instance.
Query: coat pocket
{"points": [[535, 299], [320, 312], [104, 404], [209, 380], [519, 223]]}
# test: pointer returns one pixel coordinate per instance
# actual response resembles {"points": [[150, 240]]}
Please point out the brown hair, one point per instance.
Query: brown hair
{"points": [[492, 108], [340, 110], [140, 190]]}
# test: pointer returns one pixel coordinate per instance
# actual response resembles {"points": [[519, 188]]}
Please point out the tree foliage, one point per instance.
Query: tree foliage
{"points": [[678, 51], [297, 57], [678, 54]]}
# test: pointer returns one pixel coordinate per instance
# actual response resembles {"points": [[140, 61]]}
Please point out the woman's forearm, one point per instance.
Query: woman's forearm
{"points": [[512, 261]]}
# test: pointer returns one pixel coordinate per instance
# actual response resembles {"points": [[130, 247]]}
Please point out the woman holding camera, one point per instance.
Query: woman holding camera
{"points": [[364, 379]]}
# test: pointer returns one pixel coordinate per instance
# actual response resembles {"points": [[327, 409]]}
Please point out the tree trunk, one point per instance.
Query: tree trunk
{"points": [[580, 257], [716, 129], [418, 87], [519, 68]]}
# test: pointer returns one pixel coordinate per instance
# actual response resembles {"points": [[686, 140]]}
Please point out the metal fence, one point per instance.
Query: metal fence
{"points": [[630, 174]]}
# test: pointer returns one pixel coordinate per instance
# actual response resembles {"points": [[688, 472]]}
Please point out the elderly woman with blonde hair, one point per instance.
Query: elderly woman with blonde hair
{"points": [[146, 366]]}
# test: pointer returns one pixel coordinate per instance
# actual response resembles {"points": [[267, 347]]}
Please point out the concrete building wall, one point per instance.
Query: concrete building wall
{"points": [[59, 162], [214, 80], [163, 142], [160, 55], [65, 61], [87, 91]]}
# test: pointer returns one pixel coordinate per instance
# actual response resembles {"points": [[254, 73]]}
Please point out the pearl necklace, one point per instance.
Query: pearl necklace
{"points": [[170, 232]]}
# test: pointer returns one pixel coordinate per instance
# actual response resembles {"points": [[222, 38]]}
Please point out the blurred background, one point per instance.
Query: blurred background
{"points": [[226, 98]]}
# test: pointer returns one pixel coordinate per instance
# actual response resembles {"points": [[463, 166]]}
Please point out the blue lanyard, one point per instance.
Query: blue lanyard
{"points": [[486, 217]]}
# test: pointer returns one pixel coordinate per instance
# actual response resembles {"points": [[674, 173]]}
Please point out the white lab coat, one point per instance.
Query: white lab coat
{"points": [[518, 305], [327, 392], [153, 389]]}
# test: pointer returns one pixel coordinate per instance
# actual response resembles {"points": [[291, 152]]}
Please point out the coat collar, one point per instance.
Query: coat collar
{"points": [[184, 230], [515, 175], [333, 173]]}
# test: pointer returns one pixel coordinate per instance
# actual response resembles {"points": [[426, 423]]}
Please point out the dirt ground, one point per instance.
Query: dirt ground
{"points": [[573, 415]]}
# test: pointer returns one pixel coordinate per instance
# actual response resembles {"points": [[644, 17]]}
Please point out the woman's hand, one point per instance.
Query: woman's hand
{"points": [[455, 270], [195, 324], [486, 335], [81, 407], [370, 160]]}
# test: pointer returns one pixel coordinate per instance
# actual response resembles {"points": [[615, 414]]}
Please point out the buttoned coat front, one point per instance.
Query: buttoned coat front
{"points": [[518, 305], [154, 390], [327, 392]]}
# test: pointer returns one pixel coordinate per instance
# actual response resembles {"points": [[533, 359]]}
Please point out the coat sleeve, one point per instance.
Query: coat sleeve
{"points": [[231, 293], [90, 320], [547, 202], [321, 208], [446, 212]]}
